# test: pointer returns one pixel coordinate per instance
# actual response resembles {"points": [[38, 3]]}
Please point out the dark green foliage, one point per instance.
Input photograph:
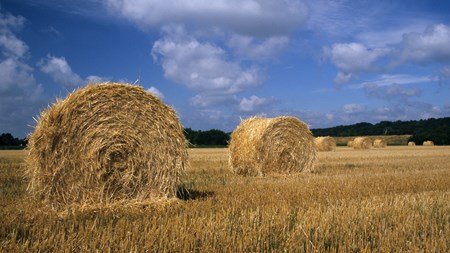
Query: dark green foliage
{"points": [[7, 140], [436, 130], [211, 137]]}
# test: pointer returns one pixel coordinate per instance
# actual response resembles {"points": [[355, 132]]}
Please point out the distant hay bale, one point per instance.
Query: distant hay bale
{"points": [[411, 143], [362, 143], [428, 143], [350, 144], [259, 146], [325, 143], [106, 143], [379, 143]]}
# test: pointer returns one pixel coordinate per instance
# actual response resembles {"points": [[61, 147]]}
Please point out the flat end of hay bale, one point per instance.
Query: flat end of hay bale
{"points": [[104, 143]]}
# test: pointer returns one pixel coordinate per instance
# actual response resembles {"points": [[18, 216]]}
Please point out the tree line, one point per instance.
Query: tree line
{"points": [[213, 137], [436, 130], [7, 140]]}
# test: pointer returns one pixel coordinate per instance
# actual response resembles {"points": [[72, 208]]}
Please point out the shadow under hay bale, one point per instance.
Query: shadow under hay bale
{"points": [[325, 143], [259, 146], [189, 194], [362, 143], [106, 143]]}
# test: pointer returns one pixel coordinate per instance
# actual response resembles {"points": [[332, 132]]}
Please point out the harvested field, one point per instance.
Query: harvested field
{"points": [[395, 199]]}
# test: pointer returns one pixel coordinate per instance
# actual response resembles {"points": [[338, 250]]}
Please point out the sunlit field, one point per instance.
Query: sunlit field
{"points": [[380, 200]]}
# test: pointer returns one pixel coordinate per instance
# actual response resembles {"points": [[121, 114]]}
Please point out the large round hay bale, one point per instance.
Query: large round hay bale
{"points": [[362, 143], [325, 143], [379, 143], [106, 143], [350, 144], [428, 143], [411, 143], [260, 146]]}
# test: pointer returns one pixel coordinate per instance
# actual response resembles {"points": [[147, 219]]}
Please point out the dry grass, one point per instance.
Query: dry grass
{"points": [[325, 143], [259, 146], [395, 199], [12, 154], [106, 143]]}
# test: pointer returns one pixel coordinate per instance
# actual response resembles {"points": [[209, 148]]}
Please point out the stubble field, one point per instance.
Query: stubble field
{"points": [[381, 200]]}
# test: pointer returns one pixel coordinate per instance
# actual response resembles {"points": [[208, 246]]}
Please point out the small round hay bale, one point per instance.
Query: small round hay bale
{"points": [[411, 144], [106, 143], [362, 143], [428, 143], [325, 143], [350, 144], [260, 146], [379, 143]]}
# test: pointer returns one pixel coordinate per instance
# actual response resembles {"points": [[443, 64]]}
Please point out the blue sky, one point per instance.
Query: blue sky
{"points": [[217, 62]]}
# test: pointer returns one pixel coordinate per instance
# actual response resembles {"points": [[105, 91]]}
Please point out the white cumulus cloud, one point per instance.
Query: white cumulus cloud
{"points": [[13, 47], [248, 47], [10, 45], [354, 57], [15, 75], [95, 79], [20, 94], [201, 66], [343, 77], [249, 17], [427, 47], [254, 103], [61, 72], [9, 22], [156, 92]]}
